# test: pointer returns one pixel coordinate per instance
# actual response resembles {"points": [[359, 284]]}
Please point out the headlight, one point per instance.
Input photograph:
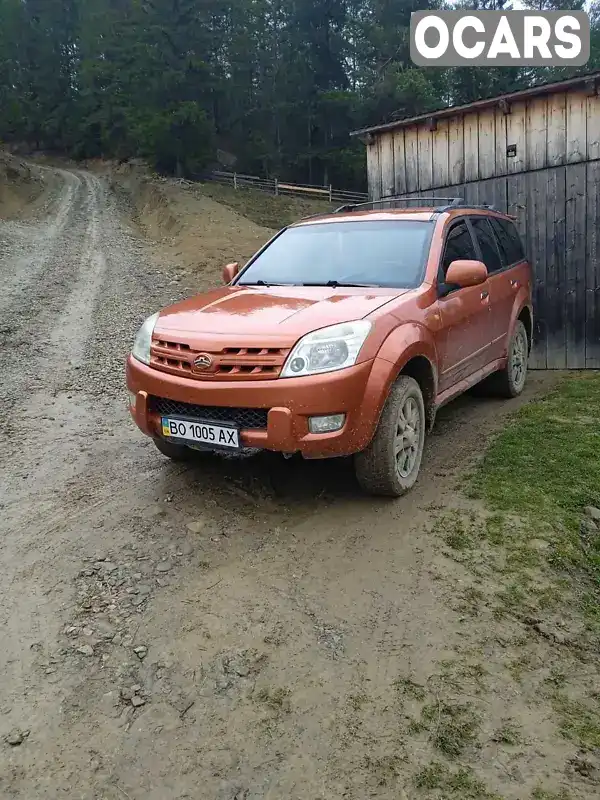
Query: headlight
{"points": [[143, 340], [327, 350]]}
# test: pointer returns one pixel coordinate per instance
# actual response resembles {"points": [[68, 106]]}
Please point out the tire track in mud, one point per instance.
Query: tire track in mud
{"points": [[55, 269], [78, 284], [71, 331], [38, 267], [26, 247]]}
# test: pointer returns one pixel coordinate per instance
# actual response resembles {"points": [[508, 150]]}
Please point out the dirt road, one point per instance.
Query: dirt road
{"points": [[231, 630]]}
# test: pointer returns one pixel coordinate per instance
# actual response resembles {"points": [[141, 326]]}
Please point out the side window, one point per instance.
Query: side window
{"points": [[508, 239], [487, 244], [459, 244]]}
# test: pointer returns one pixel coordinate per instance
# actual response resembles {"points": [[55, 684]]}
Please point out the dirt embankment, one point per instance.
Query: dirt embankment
{"points": [[202, 235], [23, 186], [203, 226]]}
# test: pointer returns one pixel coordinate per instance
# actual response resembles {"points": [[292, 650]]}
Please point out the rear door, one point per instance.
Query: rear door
{"points": [[500, 251], [464, 337]]}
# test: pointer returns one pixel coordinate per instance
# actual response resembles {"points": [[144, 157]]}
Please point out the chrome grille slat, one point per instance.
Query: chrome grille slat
{"points": [[229, 363]]}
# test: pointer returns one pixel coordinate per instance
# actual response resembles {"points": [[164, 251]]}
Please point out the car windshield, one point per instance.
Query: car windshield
{"points": [[390, 253]]}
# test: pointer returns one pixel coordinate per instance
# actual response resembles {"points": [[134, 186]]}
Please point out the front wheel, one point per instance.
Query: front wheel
{"points": [[510, 381], [390, 464]]}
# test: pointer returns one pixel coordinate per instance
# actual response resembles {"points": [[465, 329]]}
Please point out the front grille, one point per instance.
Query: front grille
{"points": [[229, 363], [255, 418]]}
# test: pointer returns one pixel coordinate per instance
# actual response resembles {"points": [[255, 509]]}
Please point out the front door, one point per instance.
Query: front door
{"points": [[502, 289], [465, 334]]}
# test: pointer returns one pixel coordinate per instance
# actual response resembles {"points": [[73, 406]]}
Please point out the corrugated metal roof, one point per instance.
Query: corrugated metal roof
{"points": [[450, 111]]}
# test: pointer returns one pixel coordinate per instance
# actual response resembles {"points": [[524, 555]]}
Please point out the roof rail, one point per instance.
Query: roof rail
{"points": [[395, 198], [314, 216], [447, 203], [465, 205]]}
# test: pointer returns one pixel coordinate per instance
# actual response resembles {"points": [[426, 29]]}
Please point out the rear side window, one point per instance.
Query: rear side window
{"points": [[459, 245], [509, 240], [487, 244]]}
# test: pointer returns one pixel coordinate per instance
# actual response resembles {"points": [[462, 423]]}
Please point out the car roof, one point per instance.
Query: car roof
{"points": [[425, 213]]}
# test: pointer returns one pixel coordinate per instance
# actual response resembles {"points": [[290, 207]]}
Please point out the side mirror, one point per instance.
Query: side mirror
{"points": [[466, 272], [230, 271]]}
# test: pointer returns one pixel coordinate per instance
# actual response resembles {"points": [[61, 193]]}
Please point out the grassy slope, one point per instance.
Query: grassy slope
{"points": [[531, 582], [265, 209], [546, 463], [544, 469]]}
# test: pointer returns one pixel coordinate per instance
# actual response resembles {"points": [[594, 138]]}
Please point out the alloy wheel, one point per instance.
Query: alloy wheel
{"points": [[408, 437], [518, 362]]}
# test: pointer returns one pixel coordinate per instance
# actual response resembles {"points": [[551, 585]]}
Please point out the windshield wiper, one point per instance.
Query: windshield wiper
{"points": [[335, 284], [263, 283]]}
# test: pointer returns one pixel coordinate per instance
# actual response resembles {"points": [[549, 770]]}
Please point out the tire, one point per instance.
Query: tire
{"points": [[176, 452], [379, 469], [510, 381]]}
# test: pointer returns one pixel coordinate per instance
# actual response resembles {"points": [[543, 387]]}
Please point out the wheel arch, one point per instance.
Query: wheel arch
{"points": [[420, 368], [410, 350], [526, 317]]}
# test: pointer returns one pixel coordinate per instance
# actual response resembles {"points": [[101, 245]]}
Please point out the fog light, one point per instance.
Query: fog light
{"points": [[132, 398], [333, 422]]}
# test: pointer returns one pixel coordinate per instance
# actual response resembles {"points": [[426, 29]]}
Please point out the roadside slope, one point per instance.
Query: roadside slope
{"points": [[23, 186], [203, 226]]}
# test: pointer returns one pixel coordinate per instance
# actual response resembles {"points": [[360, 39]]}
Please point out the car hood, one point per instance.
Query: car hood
{"points": [[271, 311]]}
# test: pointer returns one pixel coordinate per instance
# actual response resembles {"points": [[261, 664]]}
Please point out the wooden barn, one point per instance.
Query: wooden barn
{"points": [[536, 155]]}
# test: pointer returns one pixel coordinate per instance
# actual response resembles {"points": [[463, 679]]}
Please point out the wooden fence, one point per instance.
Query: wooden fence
{"points": [[276, 187]]}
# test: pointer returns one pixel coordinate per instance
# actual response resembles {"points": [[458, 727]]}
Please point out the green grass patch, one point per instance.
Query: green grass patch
{"points": [[546, 462], [456, 530], [536, 477], [543, 794], [455, 674], [509, 733], [452, 727], [408, 688], [461, 784], [278, 699], [579, 722]]}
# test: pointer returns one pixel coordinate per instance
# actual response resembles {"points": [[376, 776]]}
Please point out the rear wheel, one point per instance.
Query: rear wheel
{"points": [[176, 452], [390, 464], [510, 381]]}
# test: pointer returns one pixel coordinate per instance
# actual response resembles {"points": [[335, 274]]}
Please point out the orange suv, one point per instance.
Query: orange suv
{"points": [[342, 336]]}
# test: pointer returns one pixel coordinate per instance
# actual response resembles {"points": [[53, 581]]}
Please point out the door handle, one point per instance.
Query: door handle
{"points": [[485, 294], [514, 283]]}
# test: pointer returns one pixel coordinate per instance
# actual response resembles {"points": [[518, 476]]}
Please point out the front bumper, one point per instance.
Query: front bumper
{"points": [[355, 392]]}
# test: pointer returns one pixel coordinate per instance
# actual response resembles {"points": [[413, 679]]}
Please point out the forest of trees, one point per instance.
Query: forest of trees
{"points": [[277, 83]]}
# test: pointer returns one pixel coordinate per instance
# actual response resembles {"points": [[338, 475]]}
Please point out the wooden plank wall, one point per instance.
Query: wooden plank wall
{"points": [[547, 131], [551, 186], [557, 213]]}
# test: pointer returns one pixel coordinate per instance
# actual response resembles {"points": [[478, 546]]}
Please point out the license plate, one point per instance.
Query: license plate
{"points": [[218, 436]]}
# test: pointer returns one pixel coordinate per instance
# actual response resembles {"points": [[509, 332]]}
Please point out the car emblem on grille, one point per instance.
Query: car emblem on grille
{"points": [[203, 361]]}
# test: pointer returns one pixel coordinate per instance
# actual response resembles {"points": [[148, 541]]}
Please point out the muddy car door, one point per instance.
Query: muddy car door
{"points": [[464, 338], [502, 292], [505, 282]]}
